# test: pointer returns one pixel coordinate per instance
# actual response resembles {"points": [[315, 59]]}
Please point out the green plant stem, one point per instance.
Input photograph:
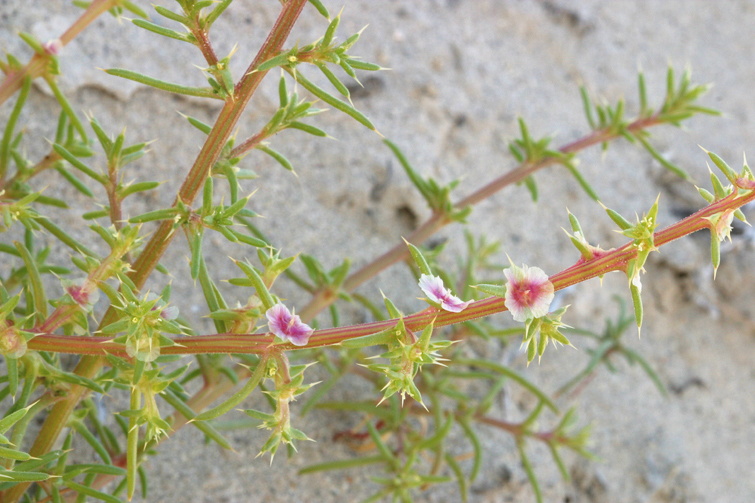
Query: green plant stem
{"points": [[611, 260], [36, 65], [89, 365], [324, 297]]}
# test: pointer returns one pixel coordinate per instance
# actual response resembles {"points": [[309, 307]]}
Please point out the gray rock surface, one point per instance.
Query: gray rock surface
{"points": [[462, 72]]}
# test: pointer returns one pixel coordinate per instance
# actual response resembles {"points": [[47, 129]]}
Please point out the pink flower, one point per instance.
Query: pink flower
{"points": [[287, 326], [433, 287], [529, 293]]}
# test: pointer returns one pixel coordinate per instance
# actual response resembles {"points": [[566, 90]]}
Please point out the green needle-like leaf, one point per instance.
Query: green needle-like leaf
{"points": [[331, 100], [216, 12], [317, 4], [166, 32], [530, 472], [648, 369], [419, 259], [582, 181], [76, 163], [375, 436], [203, 426], [237, 397], [35, 281], [202, 92], [637, 301], [66, 105], [664, 162], [342, 464], [277, 156], [82, 430], [88, 491], [78, 185], [500, 369], [5, 144], [307, 128]]}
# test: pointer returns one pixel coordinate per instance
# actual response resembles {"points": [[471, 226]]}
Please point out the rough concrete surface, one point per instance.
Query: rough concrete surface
{"points": [[462, 71]]}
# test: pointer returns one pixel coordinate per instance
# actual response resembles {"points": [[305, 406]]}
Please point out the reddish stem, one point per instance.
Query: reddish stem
{"points": [[611, 260], [325, 297], [203, 42], [248, 144]]}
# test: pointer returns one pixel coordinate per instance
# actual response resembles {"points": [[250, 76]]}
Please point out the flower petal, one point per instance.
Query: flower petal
{"points": [[437, 293], [287, 326], [432, 286], [298, 332], [278, 317], [169, 313], [454, 304]]}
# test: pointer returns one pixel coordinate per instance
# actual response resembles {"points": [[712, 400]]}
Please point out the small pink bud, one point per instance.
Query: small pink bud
{"points": [[529, 292], [287, 326], [78, 294], [82, 292], [53, 47], [433, 287]]}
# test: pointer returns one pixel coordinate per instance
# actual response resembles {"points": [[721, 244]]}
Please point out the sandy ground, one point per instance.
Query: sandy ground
{"points": [[462, 72]]}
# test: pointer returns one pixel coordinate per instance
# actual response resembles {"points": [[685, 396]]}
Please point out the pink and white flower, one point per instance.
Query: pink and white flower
{"points": [[433, 287], [287, 326], [529, 292]]}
